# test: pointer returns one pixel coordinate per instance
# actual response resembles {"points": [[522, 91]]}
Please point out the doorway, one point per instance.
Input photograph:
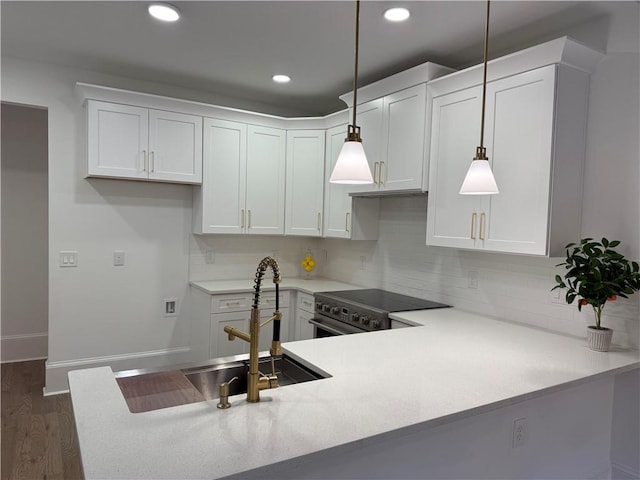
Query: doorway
{"points": [[24, 230]]}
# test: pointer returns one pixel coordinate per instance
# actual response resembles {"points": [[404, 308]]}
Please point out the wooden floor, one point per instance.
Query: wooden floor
{"points": [[38, 433]]}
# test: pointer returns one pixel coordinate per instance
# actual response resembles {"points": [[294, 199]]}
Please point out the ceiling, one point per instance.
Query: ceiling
{"points": [[232, 48]]}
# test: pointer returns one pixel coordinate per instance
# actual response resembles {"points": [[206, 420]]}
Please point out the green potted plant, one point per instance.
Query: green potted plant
{"points": [[597, 274]]}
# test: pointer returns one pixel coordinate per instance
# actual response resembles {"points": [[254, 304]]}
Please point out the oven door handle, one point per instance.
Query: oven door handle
{"points": [[326, 327]]}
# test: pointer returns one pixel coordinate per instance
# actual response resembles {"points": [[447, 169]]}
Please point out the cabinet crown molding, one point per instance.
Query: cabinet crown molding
{"points": [[561, 51], [400, 81]]}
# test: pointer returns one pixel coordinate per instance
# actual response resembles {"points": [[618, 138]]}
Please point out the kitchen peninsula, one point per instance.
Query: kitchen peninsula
{"points": [[436, 400]]}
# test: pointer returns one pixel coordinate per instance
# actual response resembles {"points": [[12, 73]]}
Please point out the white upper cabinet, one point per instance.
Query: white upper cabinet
{"points": [[345, 216], [369, 118], [393, 137], [132, 142], [393, 119], [304, 182], [535, 139], [243, 185], [265, 180], [403, 157]]}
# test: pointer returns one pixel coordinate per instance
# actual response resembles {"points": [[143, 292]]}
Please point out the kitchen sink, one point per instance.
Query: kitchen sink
{"points": [[208, 379], [156, 388]]}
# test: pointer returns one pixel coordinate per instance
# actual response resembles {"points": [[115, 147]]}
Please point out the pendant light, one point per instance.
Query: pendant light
{"points": [[352, 166], [479, 179]]}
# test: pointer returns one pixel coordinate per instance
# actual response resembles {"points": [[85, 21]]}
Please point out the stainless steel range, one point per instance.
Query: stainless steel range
{"points": [[358, 311]]}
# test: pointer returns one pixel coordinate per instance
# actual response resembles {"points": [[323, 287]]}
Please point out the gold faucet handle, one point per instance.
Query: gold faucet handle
{"points": [[224, 394], [267, 381]]}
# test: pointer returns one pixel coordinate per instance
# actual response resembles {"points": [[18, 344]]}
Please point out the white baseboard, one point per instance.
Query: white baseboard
{"points": [[56, 381], [20, 348], [623, 472]]}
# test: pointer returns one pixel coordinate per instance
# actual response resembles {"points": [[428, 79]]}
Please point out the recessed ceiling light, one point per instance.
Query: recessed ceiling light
{"points": [[281, 78], [396, 14], [164, 11]]}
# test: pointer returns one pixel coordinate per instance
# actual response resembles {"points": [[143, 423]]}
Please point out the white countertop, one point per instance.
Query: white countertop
{"points": [[311, 285], [458, 364]]}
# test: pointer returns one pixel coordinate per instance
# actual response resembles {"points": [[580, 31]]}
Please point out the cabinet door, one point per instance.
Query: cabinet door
{"points": [[117, 140], [455, 133], [223, 346], [402, 166], [304, 330], [265, 180], [337, 202], [221, 199], [520, 149], [175, 145], [369, 118], [305, 181]]}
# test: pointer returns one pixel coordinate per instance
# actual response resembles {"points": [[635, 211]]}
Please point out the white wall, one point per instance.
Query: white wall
{"points": [[100, 314], [24, 233]]}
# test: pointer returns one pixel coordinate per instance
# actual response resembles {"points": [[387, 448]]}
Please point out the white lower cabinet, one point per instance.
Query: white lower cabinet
{"points": [[234, 310], [304, 313], [535, 137], [346, 216]]}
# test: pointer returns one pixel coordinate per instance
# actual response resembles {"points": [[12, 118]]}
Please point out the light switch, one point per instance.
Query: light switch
{"points": [[68, 259], [118, 258]]}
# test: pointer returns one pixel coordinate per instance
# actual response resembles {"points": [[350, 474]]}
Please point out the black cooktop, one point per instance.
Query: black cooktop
{"points": [[382, 300]]}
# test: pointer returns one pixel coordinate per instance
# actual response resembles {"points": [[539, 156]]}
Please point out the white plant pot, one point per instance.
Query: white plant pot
{"points": [[599, 340]]}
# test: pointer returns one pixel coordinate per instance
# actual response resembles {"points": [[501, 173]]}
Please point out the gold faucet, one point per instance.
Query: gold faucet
{"points": [[257, 381]]}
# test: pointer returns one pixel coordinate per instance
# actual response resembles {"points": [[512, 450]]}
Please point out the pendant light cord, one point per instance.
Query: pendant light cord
{"points": [[355, 72], [484, 76]]}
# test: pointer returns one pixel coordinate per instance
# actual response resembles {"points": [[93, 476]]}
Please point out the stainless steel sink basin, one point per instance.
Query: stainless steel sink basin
{"points": [[208, 379]]}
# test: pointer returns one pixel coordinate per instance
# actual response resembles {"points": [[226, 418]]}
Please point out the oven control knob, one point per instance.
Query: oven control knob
{"points": [[375, 324], [364, 319], [335, 310], [318, 305], [326, 307], [355, 317]]}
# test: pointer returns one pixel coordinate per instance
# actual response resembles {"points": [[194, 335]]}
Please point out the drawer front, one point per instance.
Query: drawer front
{"points": [[305, 302], [240, 302], [268, 300]]}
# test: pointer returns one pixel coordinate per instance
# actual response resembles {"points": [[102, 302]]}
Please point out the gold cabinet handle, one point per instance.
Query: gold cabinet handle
{"points": [[144, 160], [153, 161], [307, 303], [318, 225], [242, 218], [483, 216], [474, 215], [375, 172], [380, 181], [249, 219], [346, 222]]}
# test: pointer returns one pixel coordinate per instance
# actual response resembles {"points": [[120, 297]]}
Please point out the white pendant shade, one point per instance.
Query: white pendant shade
{"points": [[479, 179], [351, 166]]}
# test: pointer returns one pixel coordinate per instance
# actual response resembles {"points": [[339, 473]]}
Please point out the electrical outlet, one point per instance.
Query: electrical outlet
{"points": [[209, 256], [118, 258], [519, 432], [363, 262], [170, 307], [472, 279], [68, 259]]}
